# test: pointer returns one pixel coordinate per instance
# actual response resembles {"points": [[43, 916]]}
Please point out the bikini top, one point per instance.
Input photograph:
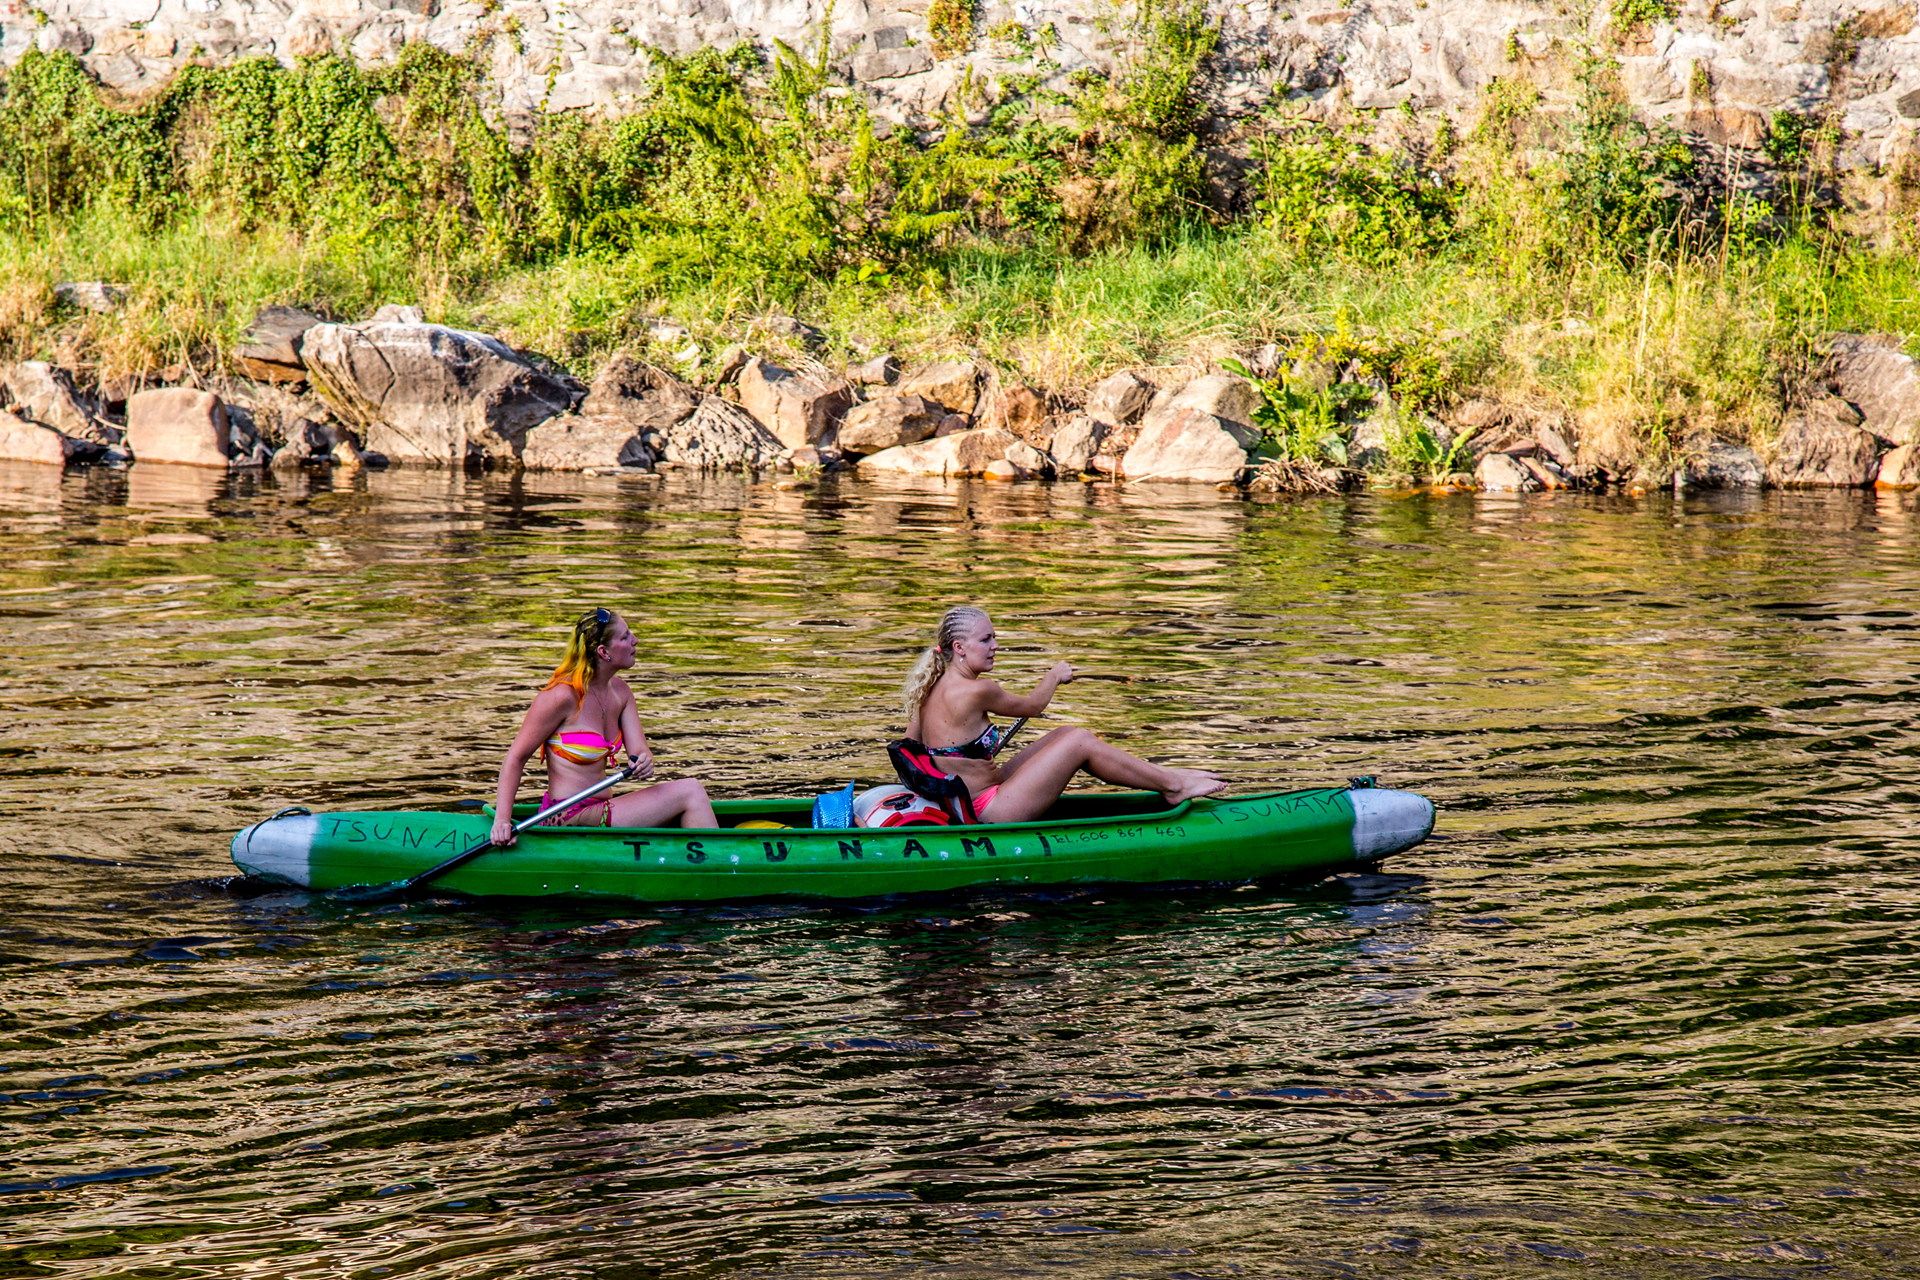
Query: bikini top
{"points": [[581, 746], [981, 748]]}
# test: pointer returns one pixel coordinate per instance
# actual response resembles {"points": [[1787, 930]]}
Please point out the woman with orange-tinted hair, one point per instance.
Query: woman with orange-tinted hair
{"points": [[579, 722]]}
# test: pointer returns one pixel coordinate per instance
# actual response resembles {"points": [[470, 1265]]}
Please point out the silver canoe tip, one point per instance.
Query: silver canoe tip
{"points": [[1386, 822]]}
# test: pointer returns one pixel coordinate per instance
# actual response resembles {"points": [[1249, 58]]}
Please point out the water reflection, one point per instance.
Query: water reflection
{"points": [[1645, 1009]]}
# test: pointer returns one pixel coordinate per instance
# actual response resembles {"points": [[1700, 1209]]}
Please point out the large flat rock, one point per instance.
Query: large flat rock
{"points": [[964, 453], [430, 395]]}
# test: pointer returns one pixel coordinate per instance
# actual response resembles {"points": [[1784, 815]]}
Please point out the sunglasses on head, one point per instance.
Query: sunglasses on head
{"points": [[602, 616]]}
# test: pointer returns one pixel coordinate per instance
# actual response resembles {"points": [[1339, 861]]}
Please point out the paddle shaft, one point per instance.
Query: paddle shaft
{"points": [[1007, 737], [399, 887]]}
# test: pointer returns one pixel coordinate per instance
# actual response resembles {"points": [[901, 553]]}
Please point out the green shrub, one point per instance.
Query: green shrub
{"points": [[1329, 190]]}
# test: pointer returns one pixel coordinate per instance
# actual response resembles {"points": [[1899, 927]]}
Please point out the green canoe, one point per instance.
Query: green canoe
{"points": [[1096, 838]]}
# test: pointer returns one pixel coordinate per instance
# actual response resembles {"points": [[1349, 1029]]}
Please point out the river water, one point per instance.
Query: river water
{"points": [[1646, 1006]]}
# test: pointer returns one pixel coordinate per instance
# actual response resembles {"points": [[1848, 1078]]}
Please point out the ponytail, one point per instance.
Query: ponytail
{"points": [[937, 658], [583, 659]]}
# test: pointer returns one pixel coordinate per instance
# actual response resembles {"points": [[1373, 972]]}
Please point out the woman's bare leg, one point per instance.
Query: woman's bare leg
{"points": [[682, 802], [1034, 779]]}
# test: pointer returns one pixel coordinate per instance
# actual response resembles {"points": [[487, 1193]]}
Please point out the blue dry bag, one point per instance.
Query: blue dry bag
{"points": [[834, 810]]}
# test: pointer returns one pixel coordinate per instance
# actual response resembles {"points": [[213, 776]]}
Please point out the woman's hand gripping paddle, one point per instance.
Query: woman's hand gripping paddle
{"points": [[370, 893]]}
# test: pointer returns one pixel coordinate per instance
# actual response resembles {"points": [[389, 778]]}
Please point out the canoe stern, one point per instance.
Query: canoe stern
{"points": [[1387, 821], [278, 850]]}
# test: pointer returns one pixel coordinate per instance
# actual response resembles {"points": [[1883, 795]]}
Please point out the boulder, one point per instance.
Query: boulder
{"points": [[425, 393], [798, 332], [954, 422], [643, 394], [1002, 469], [1367, 442], [1502, 473], [47, 395], [270, 348], [1547, 473], [721, 436], [1218, 395], [1900, 469], [1880, 380], [179, 424], [1029, 459], [1554, 444], [23, 441], [1075, 442], [881, 371], [797, 410], [963, 453], [1716, 464], [578, 442], [1189, 444], [888, 423], [727, 366], [1821, 449], [1120, 399], [92, 295], [396, 313], [1025, 409], [952, 384]]}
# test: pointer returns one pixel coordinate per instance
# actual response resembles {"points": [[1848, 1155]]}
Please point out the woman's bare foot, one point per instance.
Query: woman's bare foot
{"points": [[1193, 783]]}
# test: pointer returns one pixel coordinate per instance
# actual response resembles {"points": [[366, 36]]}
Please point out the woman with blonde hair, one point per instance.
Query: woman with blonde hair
{"points": [[948, 701], [579, 722]]}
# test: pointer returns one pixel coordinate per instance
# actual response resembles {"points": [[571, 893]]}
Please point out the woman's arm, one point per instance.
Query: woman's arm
{"points": [[994, 700], [548, 712], [639, 750]]}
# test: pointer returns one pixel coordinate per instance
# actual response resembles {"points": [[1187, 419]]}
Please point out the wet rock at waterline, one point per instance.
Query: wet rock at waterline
{"points": [[1900, 469], [46, 394], [1188, 444], [270, 350], [1075, 441], [888, 423], [722, 436], [424, 393], [1879, 380], [965, 453], [24, 441], [1120, 399], [1029, 460], [796, 409], [950, 384], [1503, 473], [179, 424], [1824, 447], [1717, 464], [584, 442]]}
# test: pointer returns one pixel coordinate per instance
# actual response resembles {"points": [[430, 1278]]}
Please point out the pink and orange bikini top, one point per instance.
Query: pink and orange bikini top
{"points": [[582, 746]]}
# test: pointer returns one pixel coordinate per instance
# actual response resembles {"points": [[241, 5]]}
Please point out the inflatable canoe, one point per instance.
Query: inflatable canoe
{"points": [[1094, 838]]}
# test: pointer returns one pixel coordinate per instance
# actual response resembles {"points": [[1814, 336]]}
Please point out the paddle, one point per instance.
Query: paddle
{"points": [[368, 893], [1007, 737]]}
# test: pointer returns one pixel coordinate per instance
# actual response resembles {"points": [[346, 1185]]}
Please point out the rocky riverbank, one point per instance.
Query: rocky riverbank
{"points": [[303, 391]]}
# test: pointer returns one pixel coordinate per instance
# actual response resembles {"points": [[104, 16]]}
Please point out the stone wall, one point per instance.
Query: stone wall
{"points": [[1721, 69]]}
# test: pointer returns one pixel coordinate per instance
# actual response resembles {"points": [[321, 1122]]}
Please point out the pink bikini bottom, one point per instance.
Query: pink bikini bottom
{"points": [[595, 811]]}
